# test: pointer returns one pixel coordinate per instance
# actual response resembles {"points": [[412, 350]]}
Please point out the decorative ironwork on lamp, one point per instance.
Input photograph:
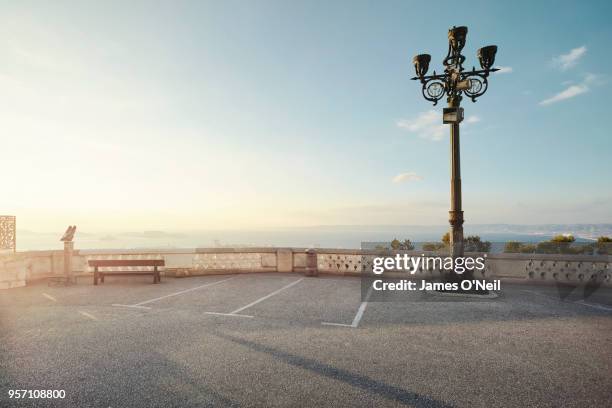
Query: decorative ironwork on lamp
{"points": [[455, 81]]}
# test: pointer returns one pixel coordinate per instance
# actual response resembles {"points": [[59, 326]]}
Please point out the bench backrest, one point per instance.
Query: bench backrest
{"points": [[126, 262]]}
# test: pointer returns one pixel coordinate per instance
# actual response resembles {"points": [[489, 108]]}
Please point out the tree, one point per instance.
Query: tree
{"points": [[474, 244], [401, 246], [512, 247], [395, 244], [433, 246], [436, 246], [407, 245], [563, 238], [515, 247], [604, 245], [527, 248], [559, 244], [547, 247]]}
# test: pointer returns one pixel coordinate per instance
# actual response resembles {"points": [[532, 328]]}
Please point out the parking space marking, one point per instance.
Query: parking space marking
{"points": [[49, 297], [361, 310], [276, 292], [229, 314], [358, 315], [267, 296], [140, 305], [132, 306], [183, 291], [336, 324], [576, 302], [595, 306], [88, 315]]}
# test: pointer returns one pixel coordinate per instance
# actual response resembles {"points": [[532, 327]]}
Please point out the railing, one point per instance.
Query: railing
{"points": [[18, 268]]}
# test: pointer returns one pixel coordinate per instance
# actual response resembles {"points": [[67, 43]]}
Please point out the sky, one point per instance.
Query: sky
{"points": [[261, 114]]}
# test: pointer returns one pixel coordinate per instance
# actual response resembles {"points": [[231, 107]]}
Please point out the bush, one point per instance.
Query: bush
{"points": [[515, 247], [562, 244], [563, 238], [604, 245], [402, 246], [528, 249], [433, 246], [512, 247], [548, 247], [474, 244]]}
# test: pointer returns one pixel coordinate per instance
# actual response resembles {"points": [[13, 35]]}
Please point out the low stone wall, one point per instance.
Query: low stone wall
{"points": [[529, 267], [18, 268], [543, 267]]}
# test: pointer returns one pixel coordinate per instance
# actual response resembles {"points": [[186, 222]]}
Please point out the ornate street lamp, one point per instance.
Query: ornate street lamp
{"points": [[454, 83]]}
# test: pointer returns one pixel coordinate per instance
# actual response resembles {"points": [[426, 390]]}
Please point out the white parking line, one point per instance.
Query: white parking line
{"points": [[229, 314], [88, 315], [595, 306], [49, 297], [267, 296], [235, 312], [361, 310], [358, 315], [336, 324], [183, 291], [140, 304], [132, 306], [576, 302]]}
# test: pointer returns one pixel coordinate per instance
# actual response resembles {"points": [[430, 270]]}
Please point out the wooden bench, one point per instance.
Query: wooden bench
{"points": [[102, 263]]}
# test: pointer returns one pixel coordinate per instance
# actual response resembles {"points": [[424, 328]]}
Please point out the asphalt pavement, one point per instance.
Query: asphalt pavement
{"points": [[285, 340]]}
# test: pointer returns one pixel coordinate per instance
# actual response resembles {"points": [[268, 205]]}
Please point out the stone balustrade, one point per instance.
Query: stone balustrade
{"points": [[18, 268]]}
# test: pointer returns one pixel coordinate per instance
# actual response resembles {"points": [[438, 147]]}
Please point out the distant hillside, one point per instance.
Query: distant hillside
{"points": [[330, 236]]}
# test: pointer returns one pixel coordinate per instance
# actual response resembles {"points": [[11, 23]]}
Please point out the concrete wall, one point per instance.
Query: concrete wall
{"points": [[16, 269]]}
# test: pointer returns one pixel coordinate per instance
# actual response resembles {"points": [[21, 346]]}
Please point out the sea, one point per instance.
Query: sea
{"points": [[346, 237]]}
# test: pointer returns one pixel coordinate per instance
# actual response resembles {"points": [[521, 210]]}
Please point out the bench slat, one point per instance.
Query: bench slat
{"points": [[126, 262], [127, 273]]}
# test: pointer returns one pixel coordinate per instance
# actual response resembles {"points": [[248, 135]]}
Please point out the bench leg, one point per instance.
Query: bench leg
{"points": [[102, 277], [155, 275], [96, 276]]}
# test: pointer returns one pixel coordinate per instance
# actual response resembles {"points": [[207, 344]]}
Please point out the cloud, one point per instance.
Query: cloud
{"points": [[569, 60], [504, 70], [571, 91], [428, 125], [405, 177]]}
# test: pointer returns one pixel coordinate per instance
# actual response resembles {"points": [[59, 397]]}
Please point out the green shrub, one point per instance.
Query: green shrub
{"points": [[474, 244], [397, 245], [433, 246], [528, 248], [604, 245], [512, 247]]}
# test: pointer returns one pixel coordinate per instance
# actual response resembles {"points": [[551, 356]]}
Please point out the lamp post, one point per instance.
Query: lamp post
{"points": [[454, 83]]}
